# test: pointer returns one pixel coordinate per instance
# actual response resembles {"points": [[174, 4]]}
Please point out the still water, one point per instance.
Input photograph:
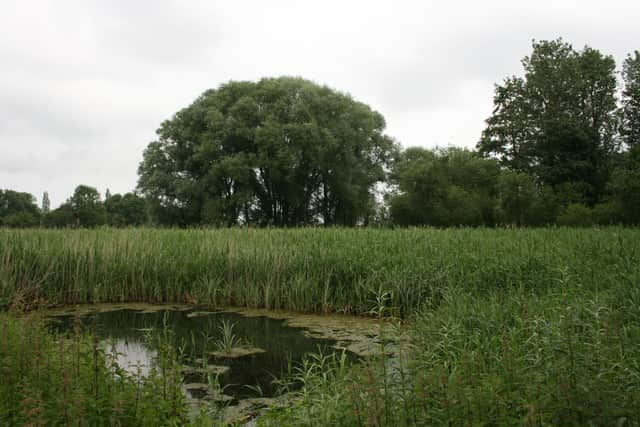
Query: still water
{"points": [[271, 345]]}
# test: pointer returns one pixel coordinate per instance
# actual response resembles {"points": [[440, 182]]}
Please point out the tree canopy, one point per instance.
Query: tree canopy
{"points": [[18, 209], [630, 128], [558, 122], [559, 148], [282, 151], [443, 187]]}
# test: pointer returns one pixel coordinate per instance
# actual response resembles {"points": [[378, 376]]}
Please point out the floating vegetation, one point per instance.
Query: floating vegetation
{"points": [[235, 352]]}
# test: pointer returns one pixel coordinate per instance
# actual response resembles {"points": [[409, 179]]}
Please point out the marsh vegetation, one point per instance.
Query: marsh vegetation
{"points": [[535, 327]]}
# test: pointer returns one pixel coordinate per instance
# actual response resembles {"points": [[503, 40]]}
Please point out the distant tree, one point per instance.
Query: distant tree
{"points": [[20, 220], [523, 202], [443, 187], [625, 187], [576, 215], [46, 204], [127, 210], [558, 122], [281, 152], [107, 195], [63, 216], [630, 128], [517, 195], [87, 207], [18, 209]]}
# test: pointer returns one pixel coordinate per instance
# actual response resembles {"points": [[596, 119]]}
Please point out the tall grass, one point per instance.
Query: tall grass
{"points": [[75, 380], [531, 327], [357, 271], [569, 356]]}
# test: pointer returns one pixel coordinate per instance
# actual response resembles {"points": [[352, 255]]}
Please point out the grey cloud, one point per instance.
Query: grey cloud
{"points": [[84, 84]]}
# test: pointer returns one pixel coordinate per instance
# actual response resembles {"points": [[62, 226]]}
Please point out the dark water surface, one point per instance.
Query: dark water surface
{"points": [[195, 333]]}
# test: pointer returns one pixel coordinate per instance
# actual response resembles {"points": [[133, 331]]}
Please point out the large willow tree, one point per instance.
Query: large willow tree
{"points": [[280, 152]]}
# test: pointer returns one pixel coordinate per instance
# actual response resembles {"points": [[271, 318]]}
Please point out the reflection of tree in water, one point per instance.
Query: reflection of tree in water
{"points": [[282, 343]]}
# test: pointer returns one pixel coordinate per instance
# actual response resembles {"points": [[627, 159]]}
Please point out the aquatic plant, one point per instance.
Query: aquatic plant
{"points": [[228, 340]]}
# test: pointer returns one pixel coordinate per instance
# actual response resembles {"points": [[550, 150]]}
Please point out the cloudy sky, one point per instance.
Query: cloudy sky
{"points": [[85, 84]]}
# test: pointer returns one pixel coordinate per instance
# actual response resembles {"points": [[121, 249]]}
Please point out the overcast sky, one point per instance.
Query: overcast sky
{"points": [[85, 84]]}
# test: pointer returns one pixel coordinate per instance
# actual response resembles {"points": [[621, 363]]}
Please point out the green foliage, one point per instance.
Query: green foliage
{"points": [[18, 210], [53, 380], [443, 187], [625, 187], [576, 215], [228, 339], [518, 193], [630, 129], [608, 213], [125, 210], [565, 356], [558, 122], [61, 217], [87, 207], [336, 270], [20, 220], [529, 326], [278, 152]]}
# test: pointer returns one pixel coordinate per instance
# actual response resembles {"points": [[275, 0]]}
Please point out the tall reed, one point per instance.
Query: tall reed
{"points": [[384, 272]]}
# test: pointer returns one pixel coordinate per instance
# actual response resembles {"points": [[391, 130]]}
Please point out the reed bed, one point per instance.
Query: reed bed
{"points": [[532, 327], [357, 271]]}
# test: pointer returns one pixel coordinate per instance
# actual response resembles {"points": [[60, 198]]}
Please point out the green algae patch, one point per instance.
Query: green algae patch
{"points": [[205, 370], [359, 335], [87, 309], [235, 352], [200, 313]]}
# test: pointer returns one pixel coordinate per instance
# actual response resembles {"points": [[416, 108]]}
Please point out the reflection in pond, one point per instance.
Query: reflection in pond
{"points": [[246, 358]]}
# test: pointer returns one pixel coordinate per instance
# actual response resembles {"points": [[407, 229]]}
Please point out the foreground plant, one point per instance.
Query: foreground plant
{"points": [[568, 357], [75, 380]]}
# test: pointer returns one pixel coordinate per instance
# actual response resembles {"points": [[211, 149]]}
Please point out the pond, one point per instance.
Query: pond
{"points": [[246, 349]]}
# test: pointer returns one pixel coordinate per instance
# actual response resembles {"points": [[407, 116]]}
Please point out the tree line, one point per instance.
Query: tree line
{"points": [[562, 146], [85, 208]]}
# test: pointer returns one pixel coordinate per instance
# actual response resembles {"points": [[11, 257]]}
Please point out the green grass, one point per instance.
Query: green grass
{"points": [[357, 271], [533, 327]]}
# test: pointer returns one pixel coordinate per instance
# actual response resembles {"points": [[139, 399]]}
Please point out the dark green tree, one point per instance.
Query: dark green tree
{"points": [[279, 152], [523, 202], [625, 188], [630, 128], [558, 122], [125, 210], [61, 217], [18, 209], [87, 208], [443, 187], [517, 195]]}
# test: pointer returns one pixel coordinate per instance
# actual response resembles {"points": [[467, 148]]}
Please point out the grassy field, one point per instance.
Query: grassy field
{"points": [[507, 327]]}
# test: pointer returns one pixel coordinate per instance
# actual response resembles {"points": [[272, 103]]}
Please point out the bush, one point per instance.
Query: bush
{"points": [[20, 220], [609, 213], [576, 215]]}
